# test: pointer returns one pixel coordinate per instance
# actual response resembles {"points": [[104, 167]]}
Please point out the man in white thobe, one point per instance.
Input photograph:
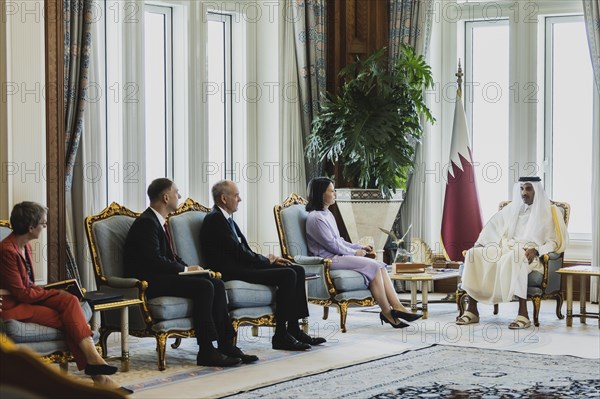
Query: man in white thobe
{"points": [[506, 254]]}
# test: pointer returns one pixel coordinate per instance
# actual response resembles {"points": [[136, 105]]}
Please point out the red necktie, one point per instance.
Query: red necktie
{"points": [[172, 255]]}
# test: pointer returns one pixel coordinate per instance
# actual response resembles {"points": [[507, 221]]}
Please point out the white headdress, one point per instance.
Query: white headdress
{"points": [[540, 227]]}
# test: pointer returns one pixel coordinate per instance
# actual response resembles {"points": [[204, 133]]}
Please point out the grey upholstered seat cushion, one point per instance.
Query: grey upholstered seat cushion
{"points": [[21, 332], [348, 280], [241, 294], [170, 307], [250, 313], [173, 324]]}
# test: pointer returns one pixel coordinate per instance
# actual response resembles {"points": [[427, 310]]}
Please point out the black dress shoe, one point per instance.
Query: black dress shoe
{"points": [[100, 369], [215, 358], [307, 339], [234, 351], [288, 343], [124, 391], [406, 316]]}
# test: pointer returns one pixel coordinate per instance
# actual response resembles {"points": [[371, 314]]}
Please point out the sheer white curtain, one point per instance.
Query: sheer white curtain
{"points": [[89, 194], [591, 10], [411, 23], [293, 179]]}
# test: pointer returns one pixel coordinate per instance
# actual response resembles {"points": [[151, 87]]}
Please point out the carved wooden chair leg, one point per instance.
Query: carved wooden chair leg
{"points": [[325, 312], [537, 302], [176, 344], [343, 309], [161, 343], [103, 341], [559, 303], [64, 365]]}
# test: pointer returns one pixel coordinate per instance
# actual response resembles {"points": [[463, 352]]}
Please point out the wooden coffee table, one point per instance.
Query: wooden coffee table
{"points": [[413, 278], [581, 271], [124, 305]]}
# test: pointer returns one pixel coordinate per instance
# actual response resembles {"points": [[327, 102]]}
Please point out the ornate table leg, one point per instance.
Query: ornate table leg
{"points": [[424, 293], [582, 298], [124, 336], [569, 300], [413, 296]]}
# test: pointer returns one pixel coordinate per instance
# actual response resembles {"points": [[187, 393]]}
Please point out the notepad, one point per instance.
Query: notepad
{"points": [[98, 297], [187, 272]]}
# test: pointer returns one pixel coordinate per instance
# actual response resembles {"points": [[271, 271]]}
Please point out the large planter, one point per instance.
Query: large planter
{"points": [[365, 211]]}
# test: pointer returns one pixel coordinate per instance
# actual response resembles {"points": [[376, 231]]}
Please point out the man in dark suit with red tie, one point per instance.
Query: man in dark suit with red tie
{"points": [[149, 256], [226, 249]]}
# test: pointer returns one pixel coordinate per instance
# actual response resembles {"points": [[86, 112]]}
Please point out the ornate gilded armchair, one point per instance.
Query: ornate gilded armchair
{"points": [[48, 342], [248, 303], [548, 287], [341, 288], [161, 317]]}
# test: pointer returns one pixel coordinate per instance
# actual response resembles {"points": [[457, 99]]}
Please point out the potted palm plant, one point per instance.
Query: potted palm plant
{"points": [[371, 126], [370, 129]]}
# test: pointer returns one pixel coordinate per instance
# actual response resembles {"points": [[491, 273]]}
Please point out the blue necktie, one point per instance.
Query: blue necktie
{"points": [[232, 225]]}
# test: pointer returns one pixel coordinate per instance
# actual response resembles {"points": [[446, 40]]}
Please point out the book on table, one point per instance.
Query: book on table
{"points": [[409, 268], [98, 297], [187, 272], [71, 286]]}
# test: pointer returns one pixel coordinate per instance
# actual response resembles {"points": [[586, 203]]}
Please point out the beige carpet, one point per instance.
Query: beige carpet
{"points": [[365, 340]]}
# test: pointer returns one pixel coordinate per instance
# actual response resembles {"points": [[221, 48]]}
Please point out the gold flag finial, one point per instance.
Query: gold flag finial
{"points": [[459, 81]]}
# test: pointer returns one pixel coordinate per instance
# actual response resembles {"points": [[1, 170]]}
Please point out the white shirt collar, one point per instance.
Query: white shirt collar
{"points": [[225, 213], [160, 218]]}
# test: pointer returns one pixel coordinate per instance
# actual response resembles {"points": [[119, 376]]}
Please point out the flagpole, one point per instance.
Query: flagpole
{"points": [[461, 215], [459, 81]]}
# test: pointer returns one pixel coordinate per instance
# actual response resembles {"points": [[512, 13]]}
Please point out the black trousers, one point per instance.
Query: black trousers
{"points": [[290, 299], [211, 318]]}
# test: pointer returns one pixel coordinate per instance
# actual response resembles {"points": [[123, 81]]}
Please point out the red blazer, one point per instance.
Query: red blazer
{"points": [[14, 278]]}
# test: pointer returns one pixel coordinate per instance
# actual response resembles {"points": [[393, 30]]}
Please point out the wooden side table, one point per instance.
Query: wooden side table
{"points": [[582, 271], [124, 305], [413, 278]]}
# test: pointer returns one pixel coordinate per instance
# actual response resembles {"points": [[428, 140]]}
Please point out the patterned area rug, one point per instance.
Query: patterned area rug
{"points": [[441, 371]]}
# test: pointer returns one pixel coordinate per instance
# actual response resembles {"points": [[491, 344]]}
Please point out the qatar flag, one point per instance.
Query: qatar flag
{"points": [[461, 219]]}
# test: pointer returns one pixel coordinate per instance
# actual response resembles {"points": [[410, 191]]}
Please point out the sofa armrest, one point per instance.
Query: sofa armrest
{"points": [[317, 288], [122, 282], [551, 262], [308, 260]]}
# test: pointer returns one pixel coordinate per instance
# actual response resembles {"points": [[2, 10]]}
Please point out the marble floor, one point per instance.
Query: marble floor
{"points": [[367, 339]]}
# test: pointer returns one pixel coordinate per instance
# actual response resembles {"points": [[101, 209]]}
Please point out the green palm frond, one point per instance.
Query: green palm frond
{"points": [[370, 125]]}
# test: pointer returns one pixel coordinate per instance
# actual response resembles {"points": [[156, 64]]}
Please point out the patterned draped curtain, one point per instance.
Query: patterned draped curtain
{"points": [[309, 19], [411, 23], [77, 43], [591, 11]]}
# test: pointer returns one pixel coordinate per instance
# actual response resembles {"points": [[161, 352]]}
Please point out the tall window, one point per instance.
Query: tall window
{"points": [[158, 87], [498, 55], [487, 103], [218, 91], [569, 114]]}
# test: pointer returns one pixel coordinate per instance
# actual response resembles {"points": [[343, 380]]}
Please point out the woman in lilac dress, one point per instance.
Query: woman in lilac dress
{"points": [[324, 240]]}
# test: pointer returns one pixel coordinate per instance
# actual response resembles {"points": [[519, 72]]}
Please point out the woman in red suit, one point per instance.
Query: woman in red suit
{"points": [[30, 303]]}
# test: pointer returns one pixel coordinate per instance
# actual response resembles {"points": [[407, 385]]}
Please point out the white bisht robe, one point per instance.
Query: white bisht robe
{"points": [[496, 268]]}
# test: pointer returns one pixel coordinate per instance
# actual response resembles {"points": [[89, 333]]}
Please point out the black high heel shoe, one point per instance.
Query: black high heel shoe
{"points": [[99, 369], [406, 316], [384, 319]]}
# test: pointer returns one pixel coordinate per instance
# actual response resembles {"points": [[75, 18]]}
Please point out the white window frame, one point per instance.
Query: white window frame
{"points": [[167, 13], [526, 132]]}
